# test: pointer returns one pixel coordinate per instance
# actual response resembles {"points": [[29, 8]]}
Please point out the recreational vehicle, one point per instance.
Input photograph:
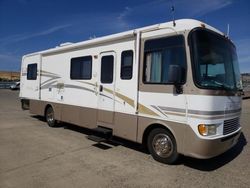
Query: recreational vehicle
{"points": [[174, 87]]}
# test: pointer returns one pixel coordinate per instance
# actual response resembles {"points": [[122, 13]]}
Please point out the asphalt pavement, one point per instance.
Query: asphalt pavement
{"points": [[35, 155]]}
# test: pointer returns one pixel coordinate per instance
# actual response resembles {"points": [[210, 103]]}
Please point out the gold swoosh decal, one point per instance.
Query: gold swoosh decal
{"points": [[142, 109], [88, 83], [121, 96], [126, 99], [145, 110], [51, 73]]}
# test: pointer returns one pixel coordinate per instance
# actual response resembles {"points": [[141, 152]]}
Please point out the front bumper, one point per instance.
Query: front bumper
{"points": [[205, 149]]}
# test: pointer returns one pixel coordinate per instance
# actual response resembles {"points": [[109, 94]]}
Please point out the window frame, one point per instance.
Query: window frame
{"points": [[28, 77], [162, 49], [91, 66], [122, 65]]}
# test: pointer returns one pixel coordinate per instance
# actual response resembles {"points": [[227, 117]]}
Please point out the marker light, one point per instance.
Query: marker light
{"points": [[203, 25], [207, 130]]}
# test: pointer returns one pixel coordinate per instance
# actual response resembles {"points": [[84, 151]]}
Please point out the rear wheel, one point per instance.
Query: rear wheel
{"points": [[50, 117], [162, 146]]}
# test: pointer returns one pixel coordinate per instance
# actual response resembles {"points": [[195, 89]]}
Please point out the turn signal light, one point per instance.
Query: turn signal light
{"points": [[207, 130], [202, 129]]}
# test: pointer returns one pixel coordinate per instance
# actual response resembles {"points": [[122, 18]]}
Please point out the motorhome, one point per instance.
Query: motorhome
{"points": [[174, 87]]}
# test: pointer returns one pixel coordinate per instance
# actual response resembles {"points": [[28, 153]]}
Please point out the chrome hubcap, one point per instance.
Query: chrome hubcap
{"points": [[50, 116], [163, 145]]}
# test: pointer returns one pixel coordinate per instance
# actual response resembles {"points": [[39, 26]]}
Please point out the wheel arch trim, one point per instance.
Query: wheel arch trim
{"points": [[175, 128]]}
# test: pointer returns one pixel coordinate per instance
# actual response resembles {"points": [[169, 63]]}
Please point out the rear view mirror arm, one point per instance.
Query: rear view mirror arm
{"points": [[178, 89]]}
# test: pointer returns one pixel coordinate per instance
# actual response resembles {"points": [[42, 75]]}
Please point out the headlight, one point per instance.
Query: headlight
{"points": [[207, 130]]}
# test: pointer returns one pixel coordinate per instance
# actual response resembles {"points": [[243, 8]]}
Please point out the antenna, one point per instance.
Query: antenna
{"points": [[92, 37], [228, 30], [173, 13]]}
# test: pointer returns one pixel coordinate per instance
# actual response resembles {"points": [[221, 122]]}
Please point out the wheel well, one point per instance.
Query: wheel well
{"points": [[47, 106], [149, 129]]}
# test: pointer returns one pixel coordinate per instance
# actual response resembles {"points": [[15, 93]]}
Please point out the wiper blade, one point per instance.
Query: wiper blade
{"points": [[217, 83], [221, 85]]}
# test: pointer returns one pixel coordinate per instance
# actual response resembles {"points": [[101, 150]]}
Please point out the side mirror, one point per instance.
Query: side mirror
{"points": [[174, 77], [174, 74]]}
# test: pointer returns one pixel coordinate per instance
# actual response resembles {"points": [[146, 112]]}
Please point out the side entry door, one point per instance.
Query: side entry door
{"points": [[30, 77], [106, 98]]}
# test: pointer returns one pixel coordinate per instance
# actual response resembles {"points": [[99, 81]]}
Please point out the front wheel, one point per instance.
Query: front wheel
{"points": [[50, 117], [162, 146]]}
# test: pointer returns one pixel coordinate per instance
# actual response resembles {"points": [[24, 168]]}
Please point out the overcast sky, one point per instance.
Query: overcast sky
{"points": [[32, 25]]}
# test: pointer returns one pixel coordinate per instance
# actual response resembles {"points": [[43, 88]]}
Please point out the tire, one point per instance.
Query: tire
{"points": [[50, 117], [25, 104], [162, 146]]}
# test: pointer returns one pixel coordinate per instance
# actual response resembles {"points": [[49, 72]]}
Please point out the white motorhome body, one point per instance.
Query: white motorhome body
{"points": [[163, 85]]}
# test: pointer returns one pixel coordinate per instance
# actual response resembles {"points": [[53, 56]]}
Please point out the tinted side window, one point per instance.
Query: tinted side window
{"points": [[81, 68], [159, 54], [107, 68], [127, 65], [32, 72]]}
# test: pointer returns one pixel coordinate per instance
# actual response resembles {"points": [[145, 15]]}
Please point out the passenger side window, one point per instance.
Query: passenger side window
{"points": [[126, 65], [107, 69], [32, 72], [159, 54], [81, 68]]}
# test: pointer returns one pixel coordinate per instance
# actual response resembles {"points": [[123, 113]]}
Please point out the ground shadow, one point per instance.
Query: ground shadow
{"points": [[199, 164], [40, 118], [109, 144]]}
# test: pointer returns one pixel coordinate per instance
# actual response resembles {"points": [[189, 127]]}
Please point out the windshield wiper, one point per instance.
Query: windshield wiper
{"points": [[217, 83], [221, 85]]}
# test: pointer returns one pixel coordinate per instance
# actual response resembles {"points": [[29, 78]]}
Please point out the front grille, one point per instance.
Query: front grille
{"points": [[231, 125]]}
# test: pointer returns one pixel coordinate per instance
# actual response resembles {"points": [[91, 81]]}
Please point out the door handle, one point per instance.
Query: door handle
{"points": [[100, 88]]}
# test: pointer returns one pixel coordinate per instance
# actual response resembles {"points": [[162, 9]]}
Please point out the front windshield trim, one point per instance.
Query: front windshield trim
{"points": [[220, 86]]}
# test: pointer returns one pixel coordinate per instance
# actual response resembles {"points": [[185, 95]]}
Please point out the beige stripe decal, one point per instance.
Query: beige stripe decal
{"points": [[215, 117], [51, 74], [126, 99], [159, 110], [88, 83], [123, 97], [142, 109]]}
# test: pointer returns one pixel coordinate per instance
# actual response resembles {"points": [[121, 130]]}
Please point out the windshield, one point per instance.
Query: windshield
{"points": [[215, 61]]}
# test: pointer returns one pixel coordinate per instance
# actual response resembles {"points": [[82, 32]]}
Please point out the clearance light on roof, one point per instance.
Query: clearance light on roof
{"points": [[203, 25]]}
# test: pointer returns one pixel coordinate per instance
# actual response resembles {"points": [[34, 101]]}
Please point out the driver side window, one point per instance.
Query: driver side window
{"points": [[159, 54]]}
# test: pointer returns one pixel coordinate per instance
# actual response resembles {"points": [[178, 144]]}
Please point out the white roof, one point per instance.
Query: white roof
{"points": [[181, 25]]}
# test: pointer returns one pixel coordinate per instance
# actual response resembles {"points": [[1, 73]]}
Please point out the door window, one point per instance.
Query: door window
{"points": [[32, 72], [107, 69]]}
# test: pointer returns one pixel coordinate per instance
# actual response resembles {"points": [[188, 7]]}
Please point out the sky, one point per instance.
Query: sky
{"points": [[28, 26]]}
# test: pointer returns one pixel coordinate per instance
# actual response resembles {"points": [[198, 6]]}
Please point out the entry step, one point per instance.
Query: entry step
{"points": [[101, 134], [96, 138]]}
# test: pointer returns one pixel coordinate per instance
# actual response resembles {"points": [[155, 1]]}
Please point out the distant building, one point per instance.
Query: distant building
{"points": [[6, 75], [246, 81]]}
